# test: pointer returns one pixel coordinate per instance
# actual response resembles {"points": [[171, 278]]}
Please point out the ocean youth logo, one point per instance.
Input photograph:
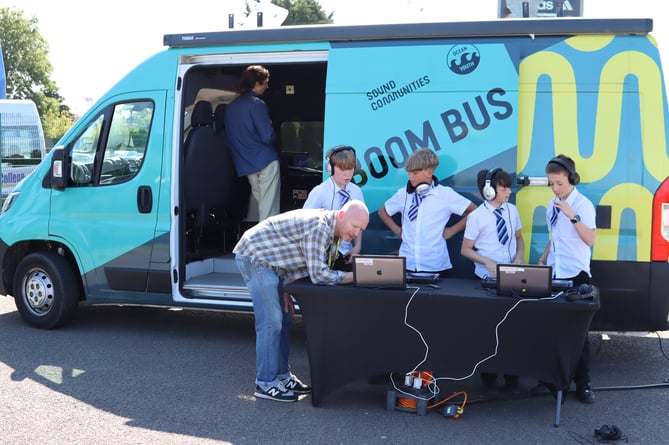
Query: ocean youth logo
{"points": [[463, 59]]}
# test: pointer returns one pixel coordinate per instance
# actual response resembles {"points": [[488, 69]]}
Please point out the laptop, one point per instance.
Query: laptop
{"points": [[557, 285], [524, 280], [379, 271]]}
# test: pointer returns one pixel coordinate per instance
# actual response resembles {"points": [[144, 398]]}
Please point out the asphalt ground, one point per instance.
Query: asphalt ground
{"points": [[131, 375]]}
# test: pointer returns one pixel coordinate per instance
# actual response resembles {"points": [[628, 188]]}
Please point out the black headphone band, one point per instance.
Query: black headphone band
{"points": [[564, 164], [491, 173], [333, 151]]}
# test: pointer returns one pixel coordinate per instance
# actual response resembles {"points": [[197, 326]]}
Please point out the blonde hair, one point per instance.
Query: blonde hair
{"points": [[422, 159]]}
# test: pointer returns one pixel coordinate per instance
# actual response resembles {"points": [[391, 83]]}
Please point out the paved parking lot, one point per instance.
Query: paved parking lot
{"points": [[156, 376]]}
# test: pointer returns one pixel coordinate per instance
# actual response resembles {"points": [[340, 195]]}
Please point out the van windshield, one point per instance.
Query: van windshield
{"points": [[20, 142]]}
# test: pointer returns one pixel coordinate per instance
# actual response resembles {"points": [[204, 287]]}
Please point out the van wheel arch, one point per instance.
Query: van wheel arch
{"points": [[47, 289]]}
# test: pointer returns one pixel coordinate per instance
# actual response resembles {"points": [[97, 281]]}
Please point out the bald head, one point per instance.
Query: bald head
{"points": [[351, 220]]}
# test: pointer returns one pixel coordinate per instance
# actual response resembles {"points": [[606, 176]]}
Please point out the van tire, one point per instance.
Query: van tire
{"points": [[46, 290]]}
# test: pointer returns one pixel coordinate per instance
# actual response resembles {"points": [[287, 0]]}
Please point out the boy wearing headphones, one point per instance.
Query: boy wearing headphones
{"points": [[426, 207], [492, 235], [336, 191], [570, 217]]}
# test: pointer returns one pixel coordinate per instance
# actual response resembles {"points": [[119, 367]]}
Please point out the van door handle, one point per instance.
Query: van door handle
{"points": [[144, 199]]}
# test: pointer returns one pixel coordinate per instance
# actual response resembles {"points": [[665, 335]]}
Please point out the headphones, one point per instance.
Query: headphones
{"points": [[584, 292], [421, 188], [609, 433], [329, 166], [488, 191], [573, 177]]}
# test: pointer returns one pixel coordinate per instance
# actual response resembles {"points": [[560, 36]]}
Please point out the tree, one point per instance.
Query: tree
{"points": [[300, 12], [303, 12], [28, 70]]}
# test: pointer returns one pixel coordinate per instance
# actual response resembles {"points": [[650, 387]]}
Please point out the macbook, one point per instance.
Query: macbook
{"points": [[379, 271], [524, 280]]}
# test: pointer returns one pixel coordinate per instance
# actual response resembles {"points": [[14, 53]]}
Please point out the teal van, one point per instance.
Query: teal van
{"points": [[139, 204]]}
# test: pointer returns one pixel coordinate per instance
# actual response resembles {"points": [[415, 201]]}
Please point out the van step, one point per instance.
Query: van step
{"points": [[218, 285]]}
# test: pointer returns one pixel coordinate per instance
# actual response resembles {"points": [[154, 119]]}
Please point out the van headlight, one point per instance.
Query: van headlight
{"points": [[9, 200]]}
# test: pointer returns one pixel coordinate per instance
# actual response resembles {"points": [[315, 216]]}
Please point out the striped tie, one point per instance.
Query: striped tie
{"points": [[413, 210], [502, 235], [554, 216], [345, 196]]}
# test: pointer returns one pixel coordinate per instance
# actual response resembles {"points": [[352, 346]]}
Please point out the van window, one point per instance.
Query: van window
{"points": [[126, 145], [83, 153], [122, 155]]}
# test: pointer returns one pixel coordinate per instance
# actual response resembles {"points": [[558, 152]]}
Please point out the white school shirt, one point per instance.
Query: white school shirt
{"points": [[482, 229], [325, 196], [568, 254], [423, 243]]}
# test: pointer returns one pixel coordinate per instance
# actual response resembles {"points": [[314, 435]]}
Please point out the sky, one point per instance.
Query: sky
{"points": [[93, 44]]}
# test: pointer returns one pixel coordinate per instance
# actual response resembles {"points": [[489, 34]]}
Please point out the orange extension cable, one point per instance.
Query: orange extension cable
{"points": [[410, 403]]}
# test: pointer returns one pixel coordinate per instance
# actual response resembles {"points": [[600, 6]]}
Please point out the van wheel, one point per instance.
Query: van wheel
{"points": [[46, 290]]}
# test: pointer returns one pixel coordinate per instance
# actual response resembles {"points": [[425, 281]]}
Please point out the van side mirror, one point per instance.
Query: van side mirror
{"points": [[60, 168]]}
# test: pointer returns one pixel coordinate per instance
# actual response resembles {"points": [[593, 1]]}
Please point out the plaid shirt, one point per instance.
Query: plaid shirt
{"points": [[295, 244]]}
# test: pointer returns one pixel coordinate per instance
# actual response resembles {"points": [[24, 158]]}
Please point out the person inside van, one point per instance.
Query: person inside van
{"points": [[426, 207], [570, 217], [252, 140], [336, 191], [492, 236], [278, 250]]}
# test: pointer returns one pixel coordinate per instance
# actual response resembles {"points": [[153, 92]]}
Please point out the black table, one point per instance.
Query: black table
{"points": [[355, 332]]}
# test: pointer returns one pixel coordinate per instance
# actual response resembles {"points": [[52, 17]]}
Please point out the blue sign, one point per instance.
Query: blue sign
{"points": [[3, 80]]}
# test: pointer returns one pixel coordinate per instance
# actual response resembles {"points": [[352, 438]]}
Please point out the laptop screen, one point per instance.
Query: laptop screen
{"points": [[524, 280], [379, 271]]}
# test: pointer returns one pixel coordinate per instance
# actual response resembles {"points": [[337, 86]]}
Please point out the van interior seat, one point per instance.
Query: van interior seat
{"points": [[204, 193], [219, 120]]}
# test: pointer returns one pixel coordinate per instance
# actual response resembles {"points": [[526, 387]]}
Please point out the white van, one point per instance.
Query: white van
{"points": [[22, 144]]}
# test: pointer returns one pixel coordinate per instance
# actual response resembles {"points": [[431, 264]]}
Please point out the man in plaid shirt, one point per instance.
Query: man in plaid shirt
{"points": [[279, 250]]}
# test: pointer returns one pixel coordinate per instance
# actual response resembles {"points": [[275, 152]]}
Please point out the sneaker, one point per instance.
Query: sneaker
{"points": [[277, 392], [294, 384], [585, 394]]}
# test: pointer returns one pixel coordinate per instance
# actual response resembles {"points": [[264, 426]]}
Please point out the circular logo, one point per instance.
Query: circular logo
{"points": [[463, 59]]}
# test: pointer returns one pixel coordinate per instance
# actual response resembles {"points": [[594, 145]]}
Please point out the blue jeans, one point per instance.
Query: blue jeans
{"points": [[272, 323]]}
